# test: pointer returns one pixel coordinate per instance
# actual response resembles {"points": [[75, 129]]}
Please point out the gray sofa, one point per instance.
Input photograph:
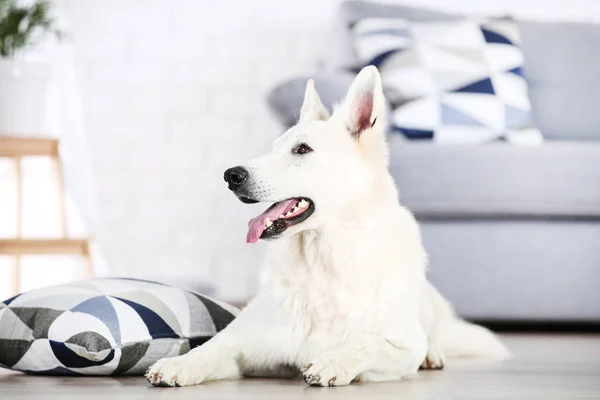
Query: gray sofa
{"points": [[513, 232]]}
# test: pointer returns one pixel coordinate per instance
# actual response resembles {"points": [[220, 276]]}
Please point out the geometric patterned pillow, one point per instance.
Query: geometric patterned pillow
{"points": [[105, 326], [458, 81]]}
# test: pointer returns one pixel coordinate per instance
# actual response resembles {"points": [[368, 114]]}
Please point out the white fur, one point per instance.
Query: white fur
{"points": [[343, 294]]}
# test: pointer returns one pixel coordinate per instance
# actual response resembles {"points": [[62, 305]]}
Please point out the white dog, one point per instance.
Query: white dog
{"points": [[343, 294]]}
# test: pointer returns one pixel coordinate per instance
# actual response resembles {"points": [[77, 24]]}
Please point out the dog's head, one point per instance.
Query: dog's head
{"points": [[322, 168]]}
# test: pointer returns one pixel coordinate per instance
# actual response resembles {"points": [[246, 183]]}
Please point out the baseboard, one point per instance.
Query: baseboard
{"points": [[541, 326]]}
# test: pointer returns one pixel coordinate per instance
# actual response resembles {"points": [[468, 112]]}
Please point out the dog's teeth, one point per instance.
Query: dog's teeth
{"points": [[289, 214], [268, 222], [303, 204], [282, 216]]}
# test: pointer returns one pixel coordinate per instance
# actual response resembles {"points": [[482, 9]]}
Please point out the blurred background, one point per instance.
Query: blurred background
{"points": [[147, 102]]}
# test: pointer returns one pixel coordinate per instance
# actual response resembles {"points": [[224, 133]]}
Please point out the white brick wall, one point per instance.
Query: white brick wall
{"points": [[173, 94]]}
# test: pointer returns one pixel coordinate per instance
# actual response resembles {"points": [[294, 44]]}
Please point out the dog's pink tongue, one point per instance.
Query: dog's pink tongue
{"points": [[256, 225]]}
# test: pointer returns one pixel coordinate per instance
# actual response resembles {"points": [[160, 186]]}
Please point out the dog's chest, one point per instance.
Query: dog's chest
{"points": [[324, 301], [326, 292]]}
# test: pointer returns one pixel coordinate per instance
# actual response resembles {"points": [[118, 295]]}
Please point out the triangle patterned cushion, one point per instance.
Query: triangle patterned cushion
{"points": [[458, 81], [105, 326]]}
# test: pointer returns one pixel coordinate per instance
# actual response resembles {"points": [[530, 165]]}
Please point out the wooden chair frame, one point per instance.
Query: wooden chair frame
{"points": [[16, 148]]}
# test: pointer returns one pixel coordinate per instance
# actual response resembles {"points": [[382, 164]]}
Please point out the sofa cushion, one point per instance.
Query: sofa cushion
{"points": [[559, 65], [564, 82], [555, 179], [454, 81]]}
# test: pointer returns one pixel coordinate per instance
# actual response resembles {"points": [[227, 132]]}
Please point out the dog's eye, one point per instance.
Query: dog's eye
{"points": [[302, 148]]}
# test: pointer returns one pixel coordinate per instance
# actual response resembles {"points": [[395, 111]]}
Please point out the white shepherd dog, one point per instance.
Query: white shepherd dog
{"points": [[343, 294]]}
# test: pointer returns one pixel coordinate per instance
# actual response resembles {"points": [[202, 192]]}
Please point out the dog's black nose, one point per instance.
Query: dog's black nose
{"points": [[235, 176]]}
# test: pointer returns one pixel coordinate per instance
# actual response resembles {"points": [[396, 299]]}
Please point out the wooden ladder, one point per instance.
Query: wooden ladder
{"points": [[15, 148]]}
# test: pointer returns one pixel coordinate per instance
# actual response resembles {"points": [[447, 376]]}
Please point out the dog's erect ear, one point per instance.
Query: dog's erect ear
{"points": [[364, 105], [312, 108]]}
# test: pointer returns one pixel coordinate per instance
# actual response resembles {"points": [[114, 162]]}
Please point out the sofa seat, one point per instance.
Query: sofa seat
{"points": [[555, 179], [516, 269]]}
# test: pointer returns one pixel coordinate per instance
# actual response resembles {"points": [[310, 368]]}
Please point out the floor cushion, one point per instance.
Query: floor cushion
{"points": [[105, 326]]}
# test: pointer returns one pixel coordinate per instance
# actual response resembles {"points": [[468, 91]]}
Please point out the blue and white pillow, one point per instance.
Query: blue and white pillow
{"points": [[105, 326], [457, 81]]}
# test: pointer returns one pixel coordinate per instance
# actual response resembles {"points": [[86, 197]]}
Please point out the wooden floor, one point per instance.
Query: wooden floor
{"points": [[545, 367]]}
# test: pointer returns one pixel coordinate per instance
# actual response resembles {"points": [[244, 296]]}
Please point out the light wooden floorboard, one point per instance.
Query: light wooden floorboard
{"points": [[545, 367]]}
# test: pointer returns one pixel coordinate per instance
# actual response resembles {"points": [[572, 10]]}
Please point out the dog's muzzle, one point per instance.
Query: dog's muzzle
{"points": [[274, 220]]}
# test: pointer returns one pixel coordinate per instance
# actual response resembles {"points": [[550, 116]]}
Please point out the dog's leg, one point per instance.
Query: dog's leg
{"points": [[216, 359], [370, 358], [435, 314], [219, 358], [244, 347]]}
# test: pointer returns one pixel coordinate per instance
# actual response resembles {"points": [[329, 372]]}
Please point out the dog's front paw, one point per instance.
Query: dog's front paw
{"points": [[175, 371], [325, 373]]}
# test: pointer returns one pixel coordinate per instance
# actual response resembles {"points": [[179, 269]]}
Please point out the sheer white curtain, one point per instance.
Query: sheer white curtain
{"points": [[40, 196]]}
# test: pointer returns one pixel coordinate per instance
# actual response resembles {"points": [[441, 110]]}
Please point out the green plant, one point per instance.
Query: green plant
{"points": [[23, 26]]}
